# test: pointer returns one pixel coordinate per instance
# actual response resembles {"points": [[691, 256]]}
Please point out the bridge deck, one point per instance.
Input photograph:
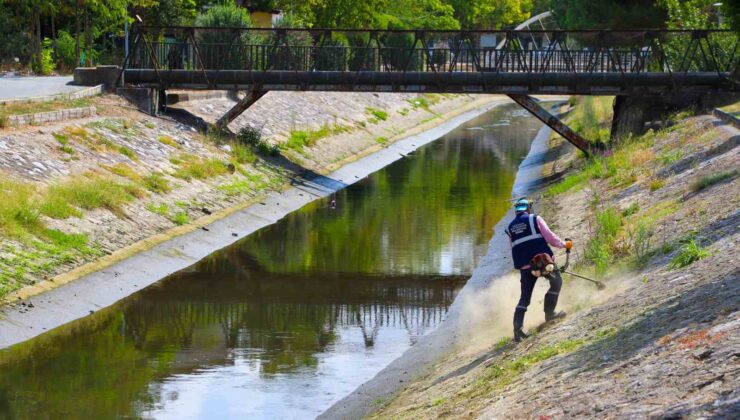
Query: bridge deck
{"points": [[514, 62]]}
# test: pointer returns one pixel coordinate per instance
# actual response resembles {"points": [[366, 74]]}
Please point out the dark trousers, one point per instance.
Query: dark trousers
{"points": [[551, 298]]}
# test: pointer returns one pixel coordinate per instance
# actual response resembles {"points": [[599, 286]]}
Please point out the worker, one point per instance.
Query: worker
{"points": [[530, 236]]}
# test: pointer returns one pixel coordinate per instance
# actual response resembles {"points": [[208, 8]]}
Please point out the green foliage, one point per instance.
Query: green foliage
{"points": [[46, 65], [201, 169], [591, 118], [381, 140], [377, 113], [708, 181], [591, 14], [656, 184], [490, 14], [180, 218], [690, 14], [599, 249], [242, 154], [65, 51], [156, 183], [223, 15], [689, 254], [90, 192], [302, 138], [640, 245], [161, 209], [632, 209]]}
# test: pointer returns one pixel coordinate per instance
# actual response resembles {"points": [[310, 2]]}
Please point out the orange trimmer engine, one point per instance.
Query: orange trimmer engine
{"points": [[542, 265]]}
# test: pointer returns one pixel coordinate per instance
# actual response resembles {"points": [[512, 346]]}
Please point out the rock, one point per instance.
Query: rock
{"points": [[702, 354]]}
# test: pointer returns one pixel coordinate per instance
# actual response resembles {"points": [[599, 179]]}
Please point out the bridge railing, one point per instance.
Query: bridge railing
{"points": [[528, 51]]}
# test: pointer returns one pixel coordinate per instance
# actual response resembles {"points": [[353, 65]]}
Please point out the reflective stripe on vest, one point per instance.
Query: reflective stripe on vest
{"points": [[533, 236]]}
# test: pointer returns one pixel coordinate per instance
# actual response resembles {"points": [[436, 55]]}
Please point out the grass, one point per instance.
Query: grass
{"points": [[591, 118], [90, 192], [600, 248], [404, 111], [201, 169], [236, 188], [23, 204], [128, 153], [381, 140], [498, 376], [299, 139], [161, 209], [632, 209], [378, 114], [656, 184], [710, 180], [20, 108], [156, 183], [122, 169], [243, 154], [688, 254], [169, 141], [180, 218]]}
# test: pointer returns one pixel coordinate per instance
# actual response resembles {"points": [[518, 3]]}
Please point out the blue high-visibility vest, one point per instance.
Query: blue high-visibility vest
{"points": [[526, 239]]}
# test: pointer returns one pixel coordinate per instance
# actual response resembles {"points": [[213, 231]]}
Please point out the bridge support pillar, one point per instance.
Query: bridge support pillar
{"points": [[552, 121], [252, 96], [633, 114]]}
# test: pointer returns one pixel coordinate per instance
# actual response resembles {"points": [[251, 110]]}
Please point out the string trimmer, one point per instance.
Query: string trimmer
{"points": [[543, 264]]}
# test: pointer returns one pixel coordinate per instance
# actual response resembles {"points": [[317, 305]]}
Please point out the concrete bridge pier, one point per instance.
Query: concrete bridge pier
{"points": [[634, 114]]}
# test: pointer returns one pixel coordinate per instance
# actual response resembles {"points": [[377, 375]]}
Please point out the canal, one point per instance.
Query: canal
{"points": [[289, 320]]}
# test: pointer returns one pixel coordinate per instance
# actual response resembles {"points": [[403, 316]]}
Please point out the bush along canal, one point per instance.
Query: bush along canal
{"points": [[289, 320]]}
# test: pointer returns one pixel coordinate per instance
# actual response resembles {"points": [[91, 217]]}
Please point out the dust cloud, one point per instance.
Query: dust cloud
{"points": [[487, 316]]}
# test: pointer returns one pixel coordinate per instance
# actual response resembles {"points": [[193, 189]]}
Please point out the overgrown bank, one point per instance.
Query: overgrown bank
{"points": [[82, 190], [657, 220]]}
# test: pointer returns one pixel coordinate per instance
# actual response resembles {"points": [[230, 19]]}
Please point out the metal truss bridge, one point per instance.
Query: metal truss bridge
{"points": [[516, 62]]}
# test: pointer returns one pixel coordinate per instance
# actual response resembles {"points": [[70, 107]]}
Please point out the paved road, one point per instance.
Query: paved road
{"points": [[26, 87]]}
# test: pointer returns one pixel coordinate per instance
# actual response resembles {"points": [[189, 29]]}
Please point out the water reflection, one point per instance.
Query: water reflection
{"points": [[292, 318]]}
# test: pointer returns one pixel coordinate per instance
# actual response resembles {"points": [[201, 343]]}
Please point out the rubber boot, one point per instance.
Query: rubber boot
{"points": [[551, 316], [519, 335]]}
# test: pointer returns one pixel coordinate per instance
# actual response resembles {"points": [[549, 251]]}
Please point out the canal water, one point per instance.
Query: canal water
{"points": [[289, 320]]}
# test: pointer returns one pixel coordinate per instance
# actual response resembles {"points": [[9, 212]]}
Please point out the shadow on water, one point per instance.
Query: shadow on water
{"points": [[295, 316]]}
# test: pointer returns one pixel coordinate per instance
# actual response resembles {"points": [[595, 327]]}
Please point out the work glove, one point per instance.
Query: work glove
{"points": [[568, 244]]}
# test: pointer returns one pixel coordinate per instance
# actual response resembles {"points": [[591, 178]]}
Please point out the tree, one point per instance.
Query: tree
{"points": [[490, 14], [691, 14], [608, 14]]}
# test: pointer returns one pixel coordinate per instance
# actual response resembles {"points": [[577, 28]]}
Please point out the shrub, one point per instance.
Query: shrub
{"points": [[710, 180], [46, 65], [688, 254], [250, 136], [65, 50]]}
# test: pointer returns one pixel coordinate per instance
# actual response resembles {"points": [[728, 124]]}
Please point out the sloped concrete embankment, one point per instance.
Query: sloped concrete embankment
{"points": [[450, 334], [662, 341], [97, 286]]}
